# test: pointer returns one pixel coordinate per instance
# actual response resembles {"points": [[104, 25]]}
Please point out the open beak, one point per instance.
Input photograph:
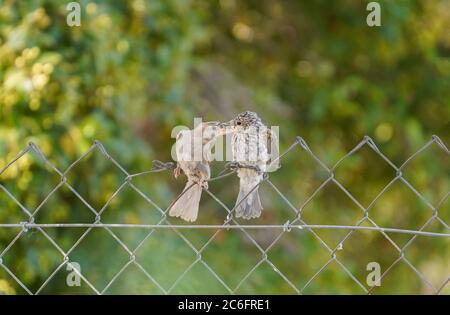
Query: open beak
{"points": [[226, 124], [227, 127]]}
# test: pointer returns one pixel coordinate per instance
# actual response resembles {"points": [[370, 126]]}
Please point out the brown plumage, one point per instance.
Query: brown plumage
{"points": [[193, 150]]}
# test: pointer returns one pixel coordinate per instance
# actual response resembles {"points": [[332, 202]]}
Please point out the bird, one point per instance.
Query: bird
{"points": [[193, 154], [252, 144]]}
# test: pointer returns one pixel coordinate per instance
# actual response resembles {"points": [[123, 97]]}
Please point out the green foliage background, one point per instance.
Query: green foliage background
{"points": [[135, 69]]}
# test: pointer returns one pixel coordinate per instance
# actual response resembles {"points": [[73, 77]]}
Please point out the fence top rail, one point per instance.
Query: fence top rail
{"points": [[285, 227]]}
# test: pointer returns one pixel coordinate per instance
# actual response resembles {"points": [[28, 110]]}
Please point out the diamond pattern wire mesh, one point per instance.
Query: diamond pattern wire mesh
{"points": [[229, 223]]}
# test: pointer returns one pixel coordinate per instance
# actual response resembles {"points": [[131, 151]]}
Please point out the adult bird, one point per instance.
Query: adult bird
{"points": [[193, 154], [253, 145]]}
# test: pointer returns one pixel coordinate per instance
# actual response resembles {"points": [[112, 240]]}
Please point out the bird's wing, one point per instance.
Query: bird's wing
{"points": [[183, 145], [273, 150]]}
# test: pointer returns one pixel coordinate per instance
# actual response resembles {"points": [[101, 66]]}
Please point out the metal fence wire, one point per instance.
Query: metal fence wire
{"points": [[365, 223]]}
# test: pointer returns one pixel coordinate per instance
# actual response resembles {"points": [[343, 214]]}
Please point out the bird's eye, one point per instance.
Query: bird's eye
{"points": [[238, 123]]}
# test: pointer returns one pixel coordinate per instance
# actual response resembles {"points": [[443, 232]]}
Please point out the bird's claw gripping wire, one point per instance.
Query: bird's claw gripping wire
{"points": [[234, 166], [161, 166]]}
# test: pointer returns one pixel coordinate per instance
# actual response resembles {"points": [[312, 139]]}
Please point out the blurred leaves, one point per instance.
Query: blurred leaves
{"points": [[135, 69]]}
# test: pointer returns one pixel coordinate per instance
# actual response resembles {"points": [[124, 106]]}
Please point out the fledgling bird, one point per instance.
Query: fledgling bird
{"points": [[251, 146], [193, 151]]}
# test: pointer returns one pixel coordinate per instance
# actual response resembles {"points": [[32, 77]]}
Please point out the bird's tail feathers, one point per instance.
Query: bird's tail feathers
{"points": [[186, 207], [250, 207]]}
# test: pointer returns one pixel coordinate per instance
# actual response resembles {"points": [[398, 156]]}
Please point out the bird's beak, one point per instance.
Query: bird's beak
{"points": [[227, 127], [226, 124]]}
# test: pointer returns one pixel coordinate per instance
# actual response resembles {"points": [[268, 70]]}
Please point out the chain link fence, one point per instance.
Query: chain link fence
{"points": [[230, 223]]}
